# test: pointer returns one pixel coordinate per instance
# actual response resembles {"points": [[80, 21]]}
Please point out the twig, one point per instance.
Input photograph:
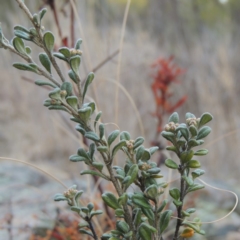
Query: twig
{"points": [[91, 228], [38, 28], [105, 60], [179, 209], [29, 60]]}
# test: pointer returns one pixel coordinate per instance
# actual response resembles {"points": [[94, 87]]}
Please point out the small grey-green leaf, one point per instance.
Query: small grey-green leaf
{"points": [[59, 197], [154, 170], [177, 203], [151, 192], [205, 118], [97, 212], [67, 86], [203, 132], [195, 187], [82, 153], [44, 83], [139, 141], [48, 40], [90, 206], [192, 143], [133, 173], [201, 152], [122, 226], [172, 148], [194, 164], [101, 130], [145, 233], [72, 75], [164, 220], [89, 80], [168, 135], [65, 51], [42, 13], [92, 136], [162, 206], [174, 193], [47, 103], [184, 131], [119, 212], [75, 64], [33, 31], [190, 115], [91, 151], [193, 130], [188, 180], [102, 149], [98, 116], [139, 152], [34, 67], [78, 44], [60, 56], [152, 150], [78, 195], [98, 166], [110, 200], [186, 156], [24, 67], [174, 118], [140, 200], [77, 158], [122, 200], [91, 172], [23, 33], [138, 217], [28, 50], [35, 18], [80, 129], [19, 45], [145, 155], [171, 164], [125, 135], [197, 173], [73, 102], [111, 138], [57, 107], [44, 59], [118, 147], [55, 94], [85, 113]]}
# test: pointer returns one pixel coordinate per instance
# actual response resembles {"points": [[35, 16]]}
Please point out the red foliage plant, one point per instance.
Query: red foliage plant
{"points": [[166, 74]]}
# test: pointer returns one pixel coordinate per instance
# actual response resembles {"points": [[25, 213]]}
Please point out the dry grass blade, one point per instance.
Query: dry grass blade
{"points": [[219, 189], [120, 57], [118, 85], [36, 167]]}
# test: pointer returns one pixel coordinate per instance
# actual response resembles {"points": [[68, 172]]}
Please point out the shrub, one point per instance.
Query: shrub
{"points": [[142, 213]]}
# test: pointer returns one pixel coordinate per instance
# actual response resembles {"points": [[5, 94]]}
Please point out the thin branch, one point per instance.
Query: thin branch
{"points": [[38, 28], [91, 228], [105, 60], [29, 60], [102, 63]]}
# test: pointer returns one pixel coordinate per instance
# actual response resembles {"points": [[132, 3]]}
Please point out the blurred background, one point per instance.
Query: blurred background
{"points": [[201, 36]]}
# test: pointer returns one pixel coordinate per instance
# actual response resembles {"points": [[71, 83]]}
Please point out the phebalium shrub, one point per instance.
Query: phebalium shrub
{"points": [[138, 203]]}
